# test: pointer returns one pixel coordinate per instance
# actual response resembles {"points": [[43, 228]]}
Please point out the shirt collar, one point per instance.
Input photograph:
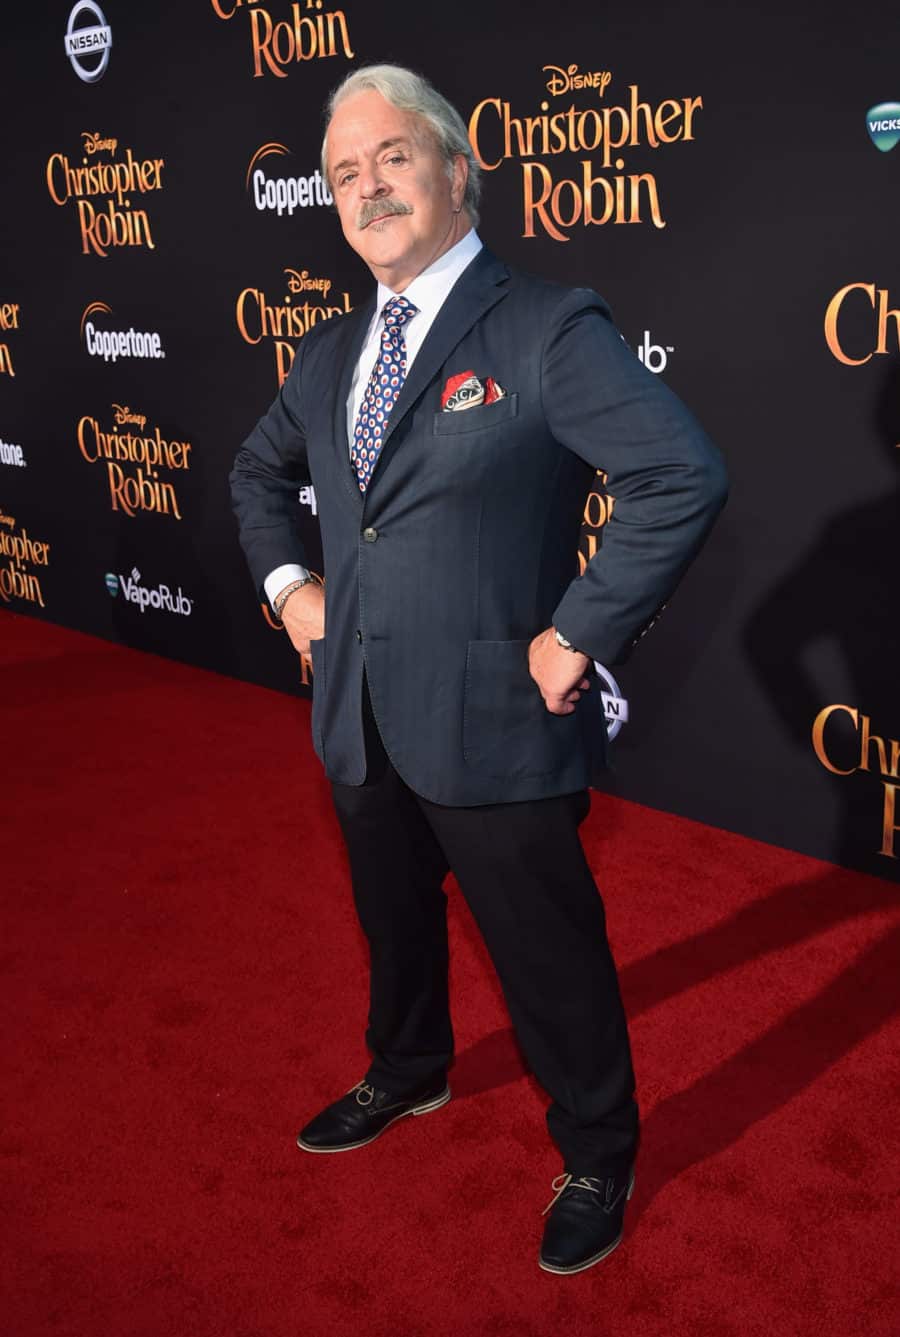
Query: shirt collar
{"points": [[429, 290]]}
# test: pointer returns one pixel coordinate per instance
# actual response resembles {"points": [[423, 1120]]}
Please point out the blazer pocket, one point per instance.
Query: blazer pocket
{"points": [[477, 419], [320, 688], [507, 729]]}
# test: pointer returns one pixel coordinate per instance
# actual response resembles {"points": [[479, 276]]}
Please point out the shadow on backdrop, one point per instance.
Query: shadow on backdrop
{"points": [[809, 606]]}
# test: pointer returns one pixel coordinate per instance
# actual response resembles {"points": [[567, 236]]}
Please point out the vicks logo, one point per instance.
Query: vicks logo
{"points": [[161, 599], [883, 125]]}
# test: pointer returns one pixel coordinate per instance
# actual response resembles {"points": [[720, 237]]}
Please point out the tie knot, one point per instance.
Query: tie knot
{"points": [[397, 312]]}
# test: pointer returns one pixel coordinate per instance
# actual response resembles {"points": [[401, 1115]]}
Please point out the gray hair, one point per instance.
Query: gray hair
{"points": [[408, 91]]}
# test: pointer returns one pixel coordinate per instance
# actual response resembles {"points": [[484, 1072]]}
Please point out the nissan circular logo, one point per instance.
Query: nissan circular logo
{"points": [[88, 41], [615, 707]]}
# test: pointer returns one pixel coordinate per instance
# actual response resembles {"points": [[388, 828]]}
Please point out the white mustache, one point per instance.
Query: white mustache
{"points": [[373, 209]]}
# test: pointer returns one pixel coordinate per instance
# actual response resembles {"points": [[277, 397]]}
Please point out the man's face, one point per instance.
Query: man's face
{"points": [[398, 207]]}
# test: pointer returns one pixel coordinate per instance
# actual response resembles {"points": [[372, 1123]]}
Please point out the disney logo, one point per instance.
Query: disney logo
{"points": [[124, 414], [94, 144], [301, 282], [563, 81]]}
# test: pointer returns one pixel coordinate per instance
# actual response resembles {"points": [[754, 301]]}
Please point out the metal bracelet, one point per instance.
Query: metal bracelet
{"points": [[286, 593]]}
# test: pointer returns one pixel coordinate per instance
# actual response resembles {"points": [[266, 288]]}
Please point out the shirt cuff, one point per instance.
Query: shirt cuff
{"points": [[276, 580]]}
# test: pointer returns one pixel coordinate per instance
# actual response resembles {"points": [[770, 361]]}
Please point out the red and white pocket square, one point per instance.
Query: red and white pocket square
{"points": [[466, 391]]}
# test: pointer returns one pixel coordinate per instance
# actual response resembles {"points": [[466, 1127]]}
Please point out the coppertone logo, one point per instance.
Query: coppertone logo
{"points": [[615, 706], [114, 344], [312, 32], [600, 190], [283, 194], [161, 599], [112, 222], [88, 41], [14, 455], [286, 320], [883, 125]]}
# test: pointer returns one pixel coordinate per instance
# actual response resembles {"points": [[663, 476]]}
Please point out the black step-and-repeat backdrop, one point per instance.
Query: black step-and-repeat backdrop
{"points": [[725, 174]]}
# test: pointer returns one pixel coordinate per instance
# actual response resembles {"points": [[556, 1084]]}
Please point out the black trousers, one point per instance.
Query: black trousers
{"points": [[522, 870]]}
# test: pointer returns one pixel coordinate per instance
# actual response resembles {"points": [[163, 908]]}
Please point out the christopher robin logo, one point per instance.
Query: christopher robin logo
{"points": [[9, 323], [107, 189], [137, 459], [598, 508], [309, 298], [590, 190], [846, 744], [19, 552], [311, 31], [859, 320]]}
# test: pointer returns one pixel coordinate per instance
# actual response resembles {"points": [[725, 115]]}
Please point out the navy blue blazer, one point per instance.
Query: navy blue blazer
{"points": [[465, 545]]}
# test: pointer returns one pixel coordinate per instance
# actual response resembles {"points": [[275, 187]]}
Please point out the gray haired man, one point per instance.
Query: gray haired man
{"points": [[452, 427]]}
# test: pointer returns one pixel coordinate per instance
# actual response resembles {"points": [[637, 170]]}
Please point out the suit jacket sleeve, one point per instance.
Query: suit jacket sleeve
{"points": [[268, 470], [666, 476]]}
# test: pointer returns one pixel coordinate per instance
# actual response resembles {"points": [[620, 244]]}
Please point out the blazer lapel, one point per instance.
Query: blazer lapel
{"points": [[478, 288], [347, 353]]}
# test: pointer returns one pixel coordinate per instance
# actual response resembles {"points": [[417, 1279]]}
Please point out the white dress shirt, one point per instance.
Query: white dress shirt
{"points": [[428, 291]]}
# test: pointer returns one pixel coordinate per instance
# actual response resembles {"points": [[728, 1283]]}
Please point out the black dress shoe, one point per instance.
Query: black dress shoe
{"points": [[585, 1222], [364, 1113]]}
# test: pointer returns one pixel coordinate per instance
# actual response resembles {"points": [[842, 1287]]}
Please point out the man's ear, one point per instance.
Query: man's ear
{"points": [[459, 181]]}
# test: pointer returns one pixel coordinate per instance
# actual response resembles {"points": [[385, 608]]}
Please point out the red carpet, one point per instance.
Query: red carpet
{"points": [[185, 985]]}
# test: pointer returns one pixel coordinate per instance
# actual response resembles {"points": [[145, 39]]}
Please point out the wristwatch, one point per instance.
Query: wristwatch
{"points": [[566, 645]]}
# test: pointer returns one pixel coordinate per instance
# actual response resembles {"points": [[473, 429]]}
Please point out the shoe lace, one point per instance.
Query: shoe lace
{"points": [[365, 1093], [588, 1182]]}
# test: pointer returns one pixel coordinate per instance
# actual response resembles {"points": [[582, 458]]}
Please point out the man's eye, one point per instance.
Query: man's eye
{"points": [[397, 158], [346, 178]]}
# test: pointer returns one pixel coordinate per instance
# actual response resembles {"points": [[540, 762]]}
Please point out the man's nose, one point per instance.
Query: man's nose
{"points": [[371, 183]]}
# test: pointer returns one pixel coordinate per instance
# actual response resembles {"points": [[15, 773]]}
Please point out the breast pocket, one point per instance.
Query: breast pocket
{"points": [[507, 729], [477, 419]]}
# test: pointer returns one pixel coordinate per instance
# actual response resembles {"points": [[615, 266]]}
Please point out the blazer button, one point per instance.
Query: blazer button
{"points": [[359, 635], [370, 535]]}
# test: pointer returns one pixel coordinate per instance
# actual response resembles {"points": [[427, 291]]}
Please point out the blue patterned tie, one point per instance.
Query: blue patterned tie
{"points": [[384, 386]]}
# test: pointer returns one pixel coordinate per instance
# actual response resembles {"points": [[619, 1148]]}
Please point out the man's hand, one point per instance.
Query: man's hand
{"points": [[303, 616], [559, 673]]}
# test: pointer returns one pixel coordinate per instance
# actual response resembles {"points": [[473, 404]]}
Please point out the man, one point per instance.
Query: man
{"points": [[451, 429]]}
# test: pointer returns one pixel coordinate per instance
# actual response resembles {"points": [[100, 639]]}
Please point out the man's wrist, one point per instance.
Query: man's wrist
{"points": [[283, 595], [280, 577], [566, 643]]}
